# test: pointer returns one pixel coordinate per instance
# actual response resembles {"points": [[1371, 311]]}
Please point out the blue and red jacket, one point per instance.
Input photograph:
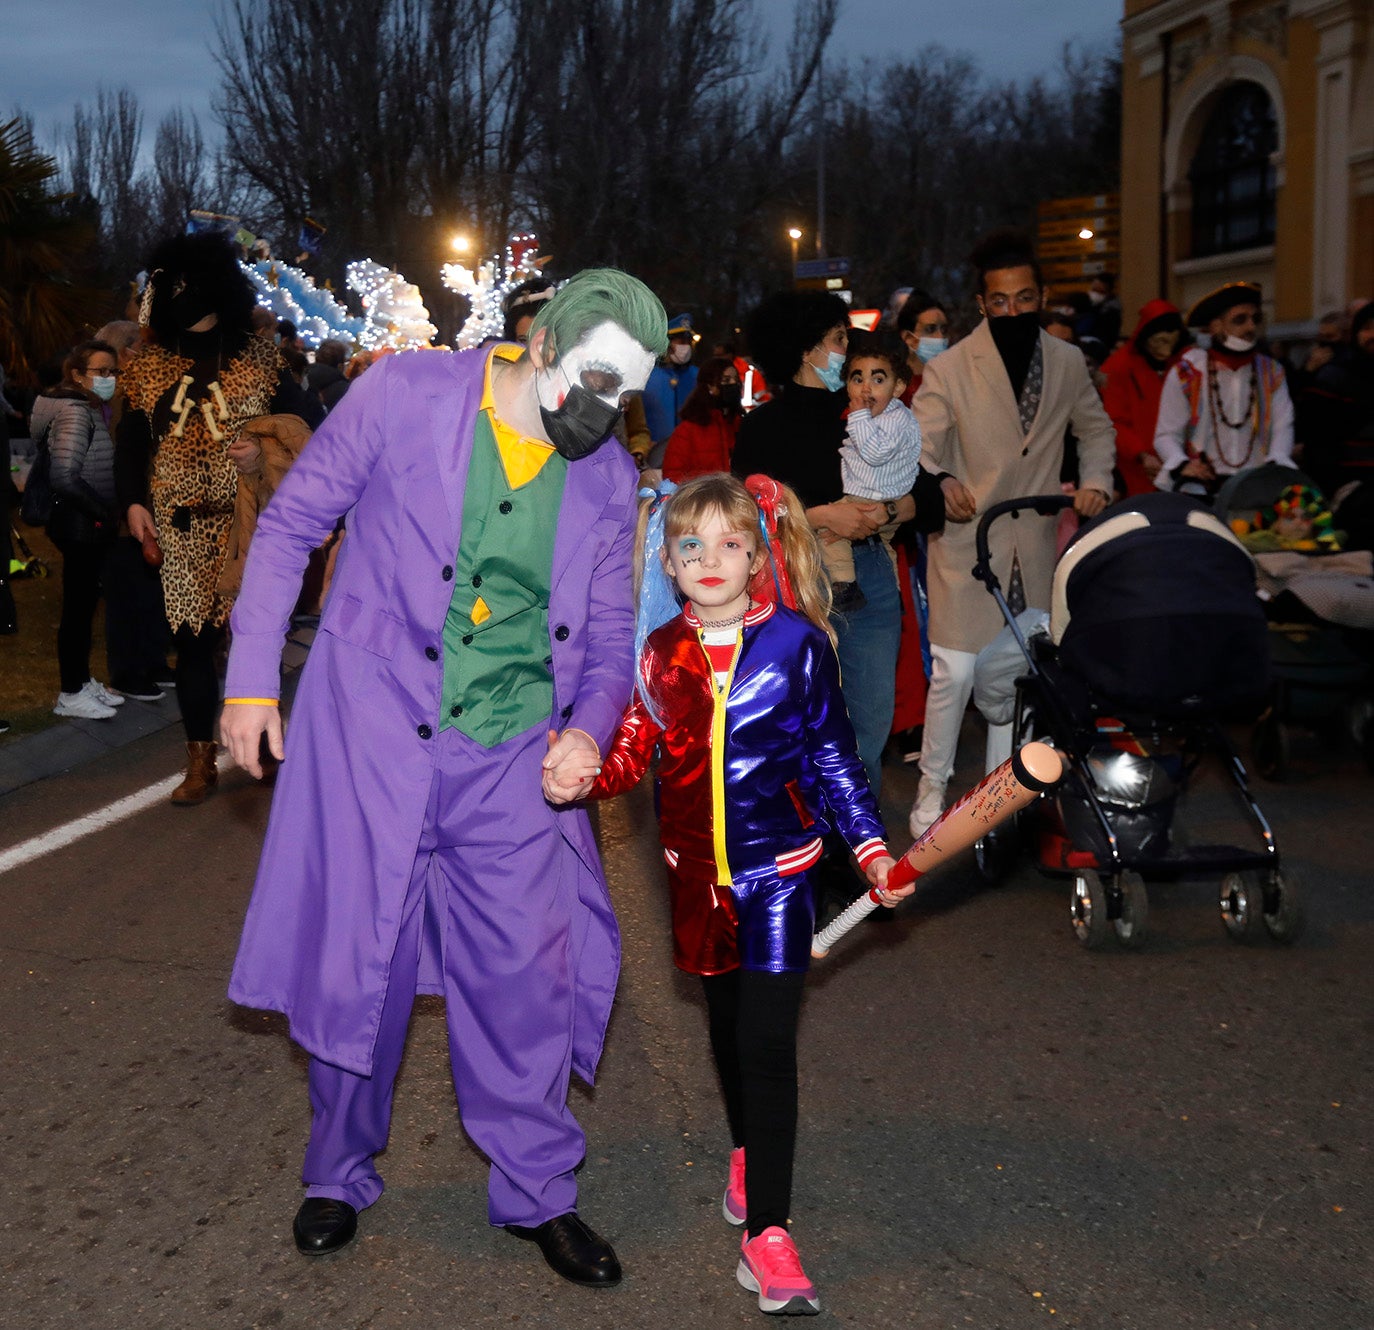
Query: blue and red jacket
{"points": [[751, 776]]}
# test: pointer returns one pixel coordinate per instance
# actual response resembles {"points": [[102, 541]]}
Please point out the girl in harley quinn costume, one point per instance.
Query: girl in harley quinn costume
{"points": [[741, 697]]}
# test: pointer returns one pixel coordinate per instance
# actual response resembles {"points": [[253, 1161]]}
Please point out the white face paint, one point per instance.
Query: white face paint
{"points": [[607, 362]]}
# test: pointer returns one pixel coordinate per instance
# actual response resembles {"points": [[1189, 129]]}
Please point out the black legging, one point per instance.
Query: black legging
{"points": [[753, 1022], [197, 681], [83, 565]]}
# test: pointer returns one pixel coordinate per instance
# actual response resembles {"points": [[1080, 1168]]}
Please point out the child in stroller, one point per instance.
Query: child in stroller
{"points": [[1155, 637]]}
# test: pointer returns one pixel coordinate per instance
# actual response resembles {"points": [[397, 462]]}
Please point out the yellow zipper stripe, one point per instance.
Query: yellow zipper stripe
{"points": [[721, 697]]}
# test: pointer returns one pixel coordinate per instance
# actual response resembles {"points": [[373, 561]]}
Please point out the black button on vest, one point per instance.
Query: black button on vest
{"points": [[431, 653], [477, 579], [467, 639], [561, 632], [504, 506], [425, 732], [447, 574], [455, 711]]}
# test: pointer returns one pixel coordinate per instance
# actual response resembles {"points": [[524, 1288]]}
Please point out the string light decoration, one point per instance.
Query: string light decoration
{"points": [[487, 286], [292, 294], [394, 311]]}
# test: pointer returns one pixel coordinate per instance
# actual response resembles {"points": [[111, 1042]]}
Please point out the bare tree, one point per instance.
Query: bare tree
{"points": [[179, 171]]}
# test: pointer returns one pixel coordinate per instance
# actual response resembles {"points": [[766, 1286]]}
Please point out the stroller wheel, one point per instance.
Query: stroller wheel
{"points": [[1242, 905], [1089, 909], [1284, 915], [1135, 909], [1269, 747]]}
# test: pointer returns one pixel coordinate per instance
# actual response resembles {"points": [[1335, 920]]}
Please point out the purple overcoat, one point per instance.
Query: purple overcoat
{"points": [[351, 796]]}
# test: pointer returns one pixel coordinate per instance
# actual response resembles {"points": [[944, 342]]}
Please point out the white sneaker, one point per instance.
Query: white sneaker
{"points": [[930, 803], [94, 688], [81, 706]]}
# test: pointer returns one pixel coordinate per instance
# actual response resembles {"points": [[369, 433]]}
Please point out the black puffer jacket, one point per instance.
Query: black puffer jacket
{"points": [[82, 470]]}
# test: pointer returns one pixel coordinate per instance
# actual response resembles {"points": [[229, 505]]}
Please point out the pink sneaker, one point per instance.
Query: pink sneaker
{"points": [[733, 1207], [769, 1266]]}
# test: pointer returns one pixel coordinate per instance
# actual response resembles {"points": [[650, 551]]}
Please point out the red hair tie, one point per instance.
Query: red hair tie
{"points": [[768, 494]]}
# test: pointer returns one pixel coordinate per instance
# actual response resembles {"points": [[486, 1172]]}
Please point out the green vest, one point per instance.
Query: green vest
{"points": [[498, 679]]}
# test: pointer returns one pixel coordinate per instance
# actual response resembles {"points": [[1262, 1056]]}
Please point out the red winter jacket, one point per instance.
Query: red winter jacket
{"points": [[694, 450], [1132, 398]]}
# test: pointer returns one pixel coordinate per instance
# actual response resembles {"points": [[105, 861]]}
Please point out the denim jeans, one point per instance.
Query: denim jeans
{"points": [[869, 639]]}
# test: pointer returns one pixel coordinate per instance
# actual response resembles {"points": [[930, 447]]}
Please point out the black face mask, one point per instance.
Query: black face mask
{"points": [[1015, 336], [581, 425], [188, 307], [729, 396], [1015, 333]]}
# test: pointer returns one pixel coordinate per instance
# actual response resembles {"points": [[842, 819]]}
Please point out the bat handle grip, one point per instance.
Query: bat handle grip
{"points": [[842, 923]]}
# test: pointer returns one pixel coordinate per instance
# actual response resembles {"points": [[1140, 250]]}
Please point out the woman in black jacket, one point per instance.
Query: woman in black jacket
{"points": [[83, 522]]}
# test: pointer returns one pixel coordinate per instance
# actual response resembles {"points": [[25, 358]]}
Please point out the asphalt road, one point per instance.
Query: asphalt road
{"points": [[999, 1129]]}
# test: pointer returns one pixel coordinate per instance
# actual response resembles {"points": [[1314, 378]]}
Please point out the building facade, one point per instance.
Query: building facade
{"points": [[1248, 153]]}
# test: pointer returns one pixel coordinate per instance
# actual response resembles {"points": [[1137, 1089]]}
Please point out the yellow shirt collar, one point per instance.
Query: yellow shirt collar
{"points": [[522, 458]]}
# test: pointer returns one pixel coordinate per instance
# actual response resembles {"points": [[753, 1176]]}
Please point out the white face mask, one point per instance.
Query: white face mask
{"points": [[1239, 345], [680, 353], [103, 388], [1097, 297]]}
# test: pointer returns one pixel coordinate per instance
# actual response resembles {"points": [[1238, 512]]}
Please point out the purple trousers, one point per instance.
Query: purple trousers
{"points": [[490, 900]]}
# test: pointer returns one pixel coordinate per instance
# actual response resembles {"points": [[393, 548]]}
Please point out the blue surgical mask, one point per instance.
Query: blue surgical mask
{"points": [[103, 388], [927, 348], [833, 373]]}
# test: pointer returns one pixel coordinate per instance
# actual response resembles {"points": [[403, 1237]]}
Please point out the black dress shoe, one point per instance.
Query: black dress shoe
{"points": [[323, 1225], [573, 1250]]}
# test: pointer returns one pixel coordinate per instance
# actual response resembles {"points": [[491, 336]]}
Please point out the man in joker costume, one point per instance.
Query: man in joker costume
{"points": [[478, 634]]}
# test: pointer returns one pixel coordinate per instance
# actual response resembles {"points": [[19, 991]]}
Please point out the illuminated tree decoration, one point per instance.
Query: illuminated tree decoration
{"points": [[394, 312], [487, 286], [292, 294]]}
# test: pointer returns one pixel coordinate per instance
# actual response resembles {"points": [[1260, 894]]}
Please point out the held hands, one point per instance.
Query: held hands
{"points": [[960, 505], [877, 872], [570, 766], [241, 727]]}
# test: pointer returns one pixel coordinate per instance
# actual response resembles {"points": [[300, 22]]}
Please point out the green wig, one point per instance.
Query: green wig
{"points": [[600, 295]]}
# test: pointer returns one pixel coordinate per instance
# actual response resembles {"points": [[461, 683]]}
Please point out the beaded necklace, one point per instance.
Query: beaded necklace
{"points": [[1220, 418], [711, 625]]}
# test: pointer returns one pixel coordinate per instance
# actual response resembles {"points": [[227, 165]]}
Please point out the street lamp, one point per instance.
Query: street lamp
{"points": [[460, 244], [794, 234], [1086, 233]]}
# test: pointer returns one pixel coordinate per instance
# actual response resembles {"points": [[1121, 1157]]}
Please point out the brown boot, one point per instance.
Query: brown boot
{"points": [[201, 774]]}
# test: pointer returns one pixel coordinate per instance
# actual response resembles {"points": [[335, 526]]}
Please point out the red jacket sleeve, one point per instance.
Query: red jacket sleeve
{"points": [[631, 748]]}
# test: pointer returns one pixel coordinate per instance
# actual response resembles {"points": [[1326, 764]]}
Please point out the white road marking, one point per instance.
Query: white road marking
{"points": [[71, 832]]}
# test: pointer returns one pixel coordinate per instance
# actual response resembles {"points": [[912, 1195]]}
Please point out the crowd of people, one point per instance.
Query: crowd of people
{"points": [[508, 631]]}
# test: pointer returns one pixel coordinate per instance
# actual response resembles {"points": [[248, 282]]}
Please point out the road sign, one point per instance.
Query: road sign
{"points": [[813, 268]]}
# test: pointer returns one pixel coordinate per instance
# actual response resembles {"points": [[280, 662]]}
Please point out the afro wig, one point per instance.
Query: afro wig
{"points": [[787, 325], [194, 276]]}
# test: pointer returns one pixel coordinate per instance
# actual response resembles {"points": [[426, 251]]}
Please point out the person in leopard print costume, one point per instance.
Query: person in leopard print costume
{"points": [[183, 401]]}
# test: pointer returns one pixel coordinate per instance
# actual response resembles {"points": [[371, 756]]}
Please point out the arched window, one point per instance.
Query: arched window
{"points": [[1232, 175]]}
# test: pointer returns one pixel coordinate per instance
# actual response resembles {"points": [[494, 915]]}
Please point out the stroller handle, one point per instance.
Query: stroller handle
{"points": [[1044, 504]]}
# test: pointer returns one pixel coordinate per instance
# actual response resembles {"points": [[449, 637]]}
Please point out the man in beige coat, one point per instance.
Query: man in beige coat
{"points": [[993, 411]]}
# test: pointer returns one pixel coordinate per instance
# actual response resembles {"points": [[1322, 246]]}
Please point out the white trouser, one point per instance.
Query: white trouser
{"points": [[951, 686]]}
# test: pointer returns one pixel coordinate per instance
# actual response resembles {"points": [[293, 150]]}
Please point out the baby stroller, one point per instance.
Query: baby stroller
{"points": [[1155, 637], [1319, 603]]}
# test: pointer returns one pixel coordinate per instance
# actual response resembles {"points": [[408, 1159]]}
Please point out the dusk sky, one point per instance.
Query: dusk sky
{"points": [[58, 52]]}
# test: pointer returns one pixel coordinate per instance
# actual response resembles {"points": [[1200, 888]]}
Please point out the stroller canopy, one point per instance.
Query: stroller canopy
{"points": [[1154, 608]]}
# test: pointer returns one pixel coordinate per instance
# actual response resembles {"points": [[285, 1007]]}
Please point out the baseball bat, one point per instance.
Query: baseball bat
{"points": [[1019, 781]]}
